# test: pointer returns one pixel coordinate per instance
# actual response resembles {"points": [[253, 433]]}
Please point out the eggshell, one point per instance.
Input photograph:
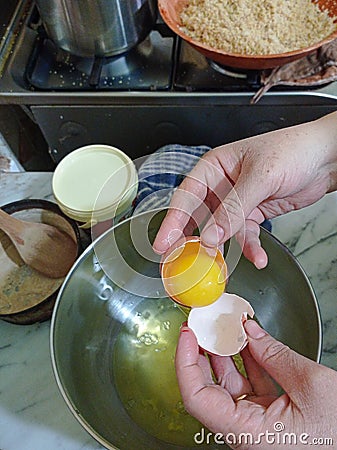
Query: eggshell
{"points": [[219, 326]]}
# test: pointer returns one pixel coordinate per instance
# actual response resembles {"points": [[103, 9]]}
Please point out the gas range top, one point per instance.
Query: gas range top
{"points": [[162, 62], [146, 67], [163, 69]]}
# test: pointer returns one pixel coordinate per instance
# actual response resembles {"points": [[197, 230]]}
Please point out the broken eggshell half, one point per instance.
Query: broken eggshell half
{"points": [[218, 327]]}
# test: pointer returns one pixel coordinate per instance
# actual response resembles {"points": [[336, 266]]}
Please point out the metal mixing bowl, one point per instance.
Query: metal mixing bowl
{"points": [[114, 289]]}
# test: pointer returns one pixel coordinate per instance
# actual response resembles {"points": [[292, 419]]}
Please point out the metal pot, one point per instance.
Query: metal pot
{"points": [[112, 322], [97, 27]]}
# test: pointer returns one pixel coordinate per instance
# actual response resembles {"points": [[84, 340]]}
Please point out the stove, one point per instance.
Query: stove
{"points": [[162, 62], [163, 91], [146, 67]]}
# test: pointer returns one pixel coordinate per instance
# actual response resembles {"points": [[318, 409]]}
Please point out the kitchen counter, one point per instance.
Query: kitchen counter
{"points": [[33, 415]]}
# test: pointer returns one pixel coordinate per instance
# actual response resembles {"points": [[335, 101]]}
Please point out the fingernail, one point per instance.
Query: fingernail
{"points": [[254, 330], [173, 236], [260, 264], [261, 261], [212, 234], [184, 327]]}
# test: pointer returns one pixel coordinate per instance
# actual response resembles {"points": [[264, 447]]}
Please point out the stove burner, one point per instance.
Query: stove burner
{"points": [[228, 71], [115, 67], [197, 73], [145, 67], [252, 77]]}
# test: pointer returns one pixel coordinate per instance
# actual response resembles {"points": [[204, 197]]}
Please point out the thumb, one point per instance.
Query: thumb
{"points": [[284, 365]]}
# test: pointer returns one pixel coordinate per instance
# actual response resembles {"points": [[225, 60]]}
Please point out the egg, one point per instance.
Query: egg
{"points": [[218, 327], [194, 275]]}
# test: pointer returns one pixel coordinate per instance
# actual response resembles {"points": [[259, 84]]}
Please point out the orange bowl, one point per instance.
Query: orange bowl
{"points": [[170, 11]]}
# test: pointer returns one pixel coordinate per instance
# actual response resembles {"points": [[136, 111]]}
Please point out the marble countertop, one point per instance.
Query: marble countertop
{"points": [[33, 415]]}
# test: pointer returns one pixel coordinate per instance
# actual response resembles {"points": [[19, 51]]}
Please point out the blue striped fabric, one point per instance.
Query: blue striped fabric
{"points": [[162, 172]]}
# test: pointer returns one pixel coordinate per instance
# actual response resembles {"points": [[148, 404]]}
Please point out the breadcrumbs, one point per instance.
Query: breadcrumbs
{"points": [[256, 27]]}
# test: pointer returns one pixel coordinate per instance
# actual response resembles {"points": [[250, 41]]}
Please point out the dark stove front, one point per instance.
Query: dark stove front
{"points": [[141, 129]]}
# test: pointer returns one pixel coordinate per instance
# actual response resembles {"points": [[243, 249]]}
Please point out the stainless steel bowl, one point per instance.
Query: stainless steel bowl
{"points": [[97, 28], [112, 322]]}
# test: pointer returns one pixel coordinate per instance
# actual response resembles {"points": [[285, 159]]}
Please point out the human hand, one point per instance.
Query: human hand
{"points": [[272, 174], [308, 408]]}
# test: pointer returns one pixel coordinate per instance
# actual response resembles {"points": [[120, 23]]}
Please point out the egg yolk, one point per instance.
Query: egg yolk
{"points": [[192, 276]]}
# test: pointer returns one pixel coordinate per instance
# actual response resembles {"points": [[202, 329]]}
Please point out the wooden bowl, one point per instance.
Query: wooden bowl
{"points": [[170, 11], [26, 296]]}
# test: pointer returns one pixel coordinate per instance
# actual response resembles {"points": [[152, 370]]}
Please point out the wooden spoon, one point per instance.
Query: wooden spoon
{"points": [[43, 247]]}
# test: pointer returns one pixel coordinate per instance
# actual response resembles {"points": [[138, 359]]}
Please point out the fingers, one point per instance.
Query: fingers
{"points": [[262, 384], [207, 402], [231, 214], [288, 368], [249, 240], [203, 190], [259, 383], [229, 378], [205, 178], [170, 230], [191, 376], [207, 191]]}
